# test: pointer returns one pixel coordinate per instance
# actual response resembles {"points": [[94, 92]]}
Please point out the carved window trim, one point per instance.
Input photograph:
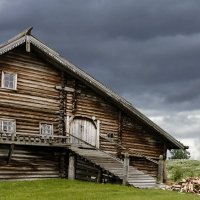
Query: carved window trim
{"points": [[8, 126], [46, 129], [12, 83]]}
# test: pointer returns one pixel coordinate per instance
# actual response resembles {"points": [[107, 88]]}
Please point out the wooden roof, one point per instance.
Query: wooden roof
{"points": [[25, 37]]}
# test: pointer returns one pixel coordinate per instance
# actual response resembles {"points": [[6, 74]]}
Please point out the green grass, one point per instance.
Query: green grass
{"points": [[60, 189], [188, 168]]}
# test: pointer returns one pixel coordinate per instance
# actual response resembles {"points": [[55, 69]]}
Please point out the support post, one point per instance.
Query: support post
{"points": [[164, 171], [99, 176], [119, 136], [13, 136], [62, 165], [10, 153], [98, 134], [160, 170], [126, 169], [164, 164], [71, 167]]}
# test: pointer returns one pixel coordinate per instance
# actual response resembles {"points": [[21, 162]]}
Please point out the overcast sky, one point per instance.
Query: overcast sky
{"points": [[148, 51]]}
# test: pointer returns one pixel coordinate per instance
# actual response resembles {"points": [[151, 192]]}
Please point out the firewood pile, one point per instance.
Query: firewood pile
{"points": [[190, 185]]}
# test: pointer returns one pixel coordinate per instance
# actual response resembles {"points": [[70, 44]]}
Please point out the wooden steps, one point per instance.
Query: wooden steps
{"points": [[115, 166]]}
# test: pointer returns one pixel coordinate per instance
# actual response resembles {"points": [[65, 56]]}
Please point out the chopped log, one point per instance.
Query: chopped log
{"points": [[188, 185]]}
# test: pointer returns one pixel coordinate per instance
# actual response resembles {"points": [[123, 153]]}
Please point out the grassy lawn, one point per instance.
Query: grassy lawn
{"points": [[63, 189]]}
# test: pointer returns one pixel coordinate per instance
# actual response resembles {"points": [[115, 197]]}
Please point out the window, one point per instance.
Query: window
{"points": [[46, 129], [7, 126], [9, 80], [110, 135]]}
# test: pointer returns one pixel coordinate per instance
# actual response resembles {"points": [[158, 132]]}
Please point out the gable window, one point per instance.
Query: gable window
{"points": [[46, 129], [9, 80], [7, 126]]}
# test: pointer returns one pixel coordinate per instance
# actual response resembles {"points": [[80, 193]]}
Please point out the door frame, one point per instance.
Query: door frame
{"points": [[96, 123]]}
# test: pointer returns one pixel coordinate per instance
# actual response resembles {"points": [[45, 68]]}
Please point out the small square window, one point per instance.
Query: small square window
{"points": [[9, 80], [46, 129], [7, 126], [110, 135]]}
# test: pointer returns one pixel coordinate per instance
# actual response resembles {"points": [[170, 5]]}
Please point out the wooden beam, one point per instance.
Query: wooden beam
{"points": [[126, 169], [71, 167], [98, 134], [10, 153], [160, 170], [164, 171], [99, 176], [164, 164], [66, 89], [28, 44], [119, 135], [62, 165]]}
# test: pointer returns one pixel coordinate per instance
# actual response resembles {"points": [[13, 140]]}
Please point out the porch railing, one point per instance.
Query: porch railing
{"points": [[20, 138]]}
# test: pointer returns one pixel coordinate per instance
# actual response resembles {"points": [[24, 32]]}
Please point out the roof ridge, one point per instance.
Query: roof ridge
{"points": [[25, 32]]}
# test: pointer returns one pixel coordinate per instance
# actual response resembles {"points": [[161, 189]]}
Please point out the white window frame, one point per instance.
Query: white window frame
{"points": [[2, 124], [14, 80], [42, 124]]}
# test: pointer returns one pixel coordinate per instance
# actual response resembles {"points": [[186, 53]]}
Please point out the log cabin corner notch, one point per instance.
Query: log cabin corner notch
{"points": [[72, 125]]}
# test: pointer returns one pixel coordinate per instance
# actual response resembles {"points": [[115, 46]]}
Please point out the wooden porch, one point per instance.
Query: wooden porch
{"points": [[110, 164]]}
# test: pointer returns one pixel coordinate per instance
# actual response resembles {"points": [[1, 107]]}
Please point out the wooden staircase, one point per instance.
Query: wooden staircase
{"points": [[115, 166]]}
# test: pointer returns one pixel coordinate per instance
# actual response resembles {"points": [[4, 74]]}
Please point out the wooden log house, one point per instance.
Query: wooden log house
{"points": [[57, 121]]}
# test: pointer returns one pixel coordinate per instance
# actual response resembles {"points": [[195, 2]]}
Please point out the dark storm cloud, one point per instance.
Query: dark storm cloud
{"points": [[139, 46], [188, 92], [146, 50], [140, 19]]}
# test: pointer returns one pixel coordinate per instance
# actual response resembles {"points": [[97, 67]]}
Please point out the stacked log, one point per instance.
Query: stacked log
{"points": [[188, 185]]}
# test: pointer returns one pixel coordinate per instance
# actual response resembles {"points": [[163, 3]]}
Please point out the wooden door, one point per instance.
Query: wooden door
{"points": [[84, 129]]}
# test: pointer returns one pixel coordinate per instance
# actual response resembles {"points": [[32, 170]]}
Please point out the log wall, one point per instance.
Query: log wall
{"points": [[141, 139], [29, 163], [36, 99], [144, 165]]}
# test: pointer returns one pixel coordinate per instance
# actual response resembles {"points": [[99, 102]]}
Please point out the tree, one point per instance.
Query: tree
{"points": [[179, 154]]}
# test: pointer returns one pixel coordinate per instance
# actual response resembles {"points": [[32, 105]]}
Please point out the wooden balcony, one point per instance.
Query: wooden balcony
{"points": [[34, 139]]}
